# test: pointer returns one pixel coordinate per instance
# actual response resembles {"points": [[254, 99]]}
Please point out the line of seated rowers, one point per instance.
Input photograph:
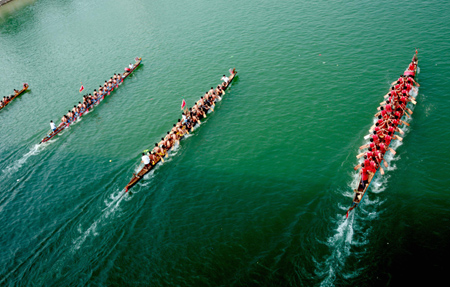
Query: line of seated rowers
{"points": [[388, 120], [190, 118], [7, 99], [89, 100]]}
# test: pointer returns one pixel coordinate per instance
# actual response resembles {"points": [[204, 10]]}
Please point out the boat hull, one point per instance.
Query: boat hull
{"points": [[360, 192], [137, 177], [63, 127], [15, 96]]}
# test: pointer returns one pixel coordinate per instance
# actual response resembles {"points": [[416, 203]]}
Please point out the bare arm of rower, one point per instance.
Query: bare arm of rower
{"points": [[360, 155]]}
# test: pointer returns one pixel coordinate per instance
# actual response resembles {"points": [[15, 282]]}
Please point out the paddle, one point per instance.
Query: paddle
{"points": [[392, 151], [405, 123], [381, 170], [363, 146], [397, 137], [357, 167], [405, 113], [385, 164], [360, 155]]}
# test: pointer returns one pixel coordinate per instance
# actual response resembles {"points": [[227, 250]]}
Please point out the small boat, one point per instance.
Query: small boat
{"points": [[361, 190], [61, 127], [18, 93], [146, 169]]}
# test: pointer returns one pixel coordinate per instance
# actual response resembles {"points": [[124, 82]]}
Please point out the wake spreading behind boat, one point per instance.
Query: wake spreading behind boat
{"points": [[388, 121], [90, 101], [6, 100], [191, 118]]}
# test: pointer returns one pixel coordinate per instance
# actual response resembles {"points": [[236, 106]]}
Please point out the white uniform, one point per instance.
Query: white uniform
{"points": [[225, 79], [52, 126], [145, 159]]}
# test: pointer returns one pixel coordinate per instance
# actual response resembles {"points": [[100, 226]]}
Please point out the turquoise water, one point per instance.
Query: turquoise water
{"points": [[257, 195]]}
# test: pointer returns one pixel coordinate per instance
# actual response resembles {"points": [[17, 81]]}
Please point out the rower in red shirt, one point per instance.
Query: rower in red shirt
{"points": [[373, 166], [366, 161], [375, 137], [369, 153], [387, 139], [388, 107], [382, 148], [395, 121]]}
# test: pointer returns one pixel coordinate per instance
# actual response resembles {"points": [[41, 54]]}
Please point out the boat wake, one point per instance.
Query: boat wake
{"points": [[16, 165], [112, 206], [350, 236]]}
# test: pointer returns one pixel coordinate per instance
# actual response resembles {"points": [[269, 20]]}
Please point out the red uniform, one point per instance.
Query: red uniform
{"points": [[375, 138], [387, 140], [364, 174], [373, 166], [388, 108], [408, 87], [382, 148]]}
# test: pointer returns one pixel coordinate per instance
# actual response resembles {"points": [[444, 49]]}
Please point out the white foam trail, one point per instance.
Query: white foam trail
{"points": [[15, 166], [340, 244], [110, 210]]}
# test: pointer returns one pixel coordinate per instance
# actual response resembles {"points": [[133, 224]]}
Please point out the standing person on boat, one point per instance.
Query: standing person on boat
{"points": [[364, 175], [225, 79], [52, 126]]}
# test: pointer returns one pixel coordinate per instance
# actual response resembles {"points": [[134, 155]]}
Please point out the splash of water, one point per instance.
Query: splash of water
{"points": [[16, 165]]}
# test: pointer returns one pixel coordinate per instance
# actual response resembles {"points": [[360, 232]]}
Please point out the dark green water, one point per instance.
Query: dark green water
{"points": [[257, 195]]}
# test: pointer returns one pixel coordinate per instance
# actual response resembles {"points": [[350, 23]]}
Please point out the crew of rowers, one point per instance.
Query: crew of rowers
{"points": [[190, 118], [383, 131], [89, 100], [7, 99]]}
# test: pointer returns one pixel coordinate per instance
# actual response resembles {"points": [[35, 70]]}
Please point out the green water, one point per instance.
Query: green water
{"points": [[257, 195]]}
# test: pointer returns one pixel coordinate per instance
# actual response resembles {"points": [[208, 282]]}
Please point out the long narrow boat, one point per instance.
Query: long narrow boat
{"points": [[61, 127], [25, 87], [361, 190], [137, 177]]}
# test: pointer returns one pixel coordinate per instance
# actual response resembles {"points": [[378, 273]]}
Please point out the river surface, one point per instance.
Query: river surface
{"points": [[257, 195]]}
